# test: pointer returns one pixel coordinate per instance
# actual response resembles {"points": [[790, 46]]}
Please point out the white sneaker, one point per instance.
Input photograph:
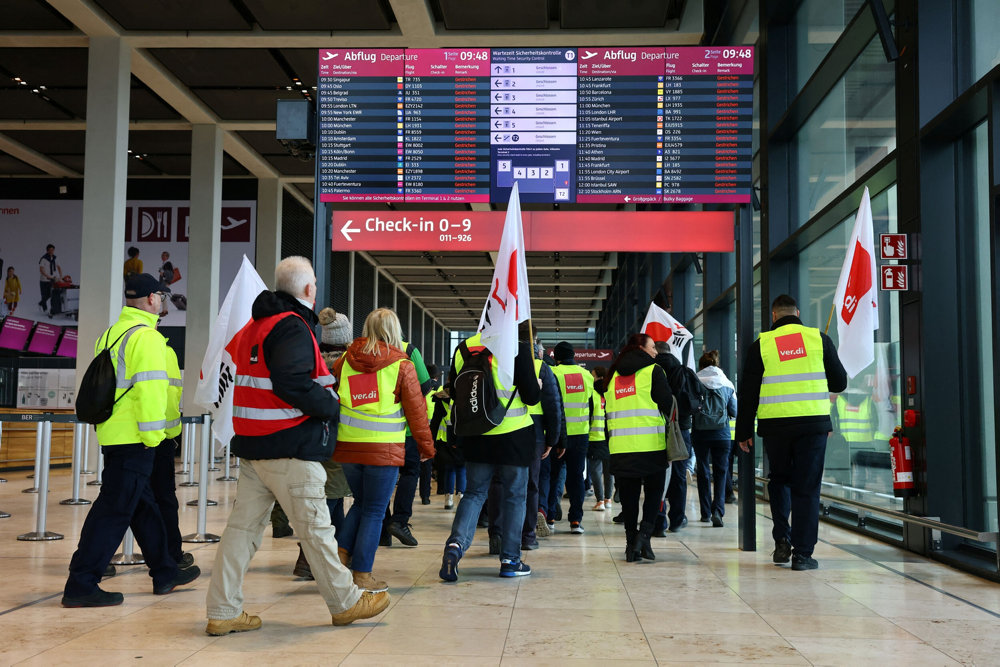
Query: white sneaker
{"points": [[599, 507], [576, 528], [449, 501]]}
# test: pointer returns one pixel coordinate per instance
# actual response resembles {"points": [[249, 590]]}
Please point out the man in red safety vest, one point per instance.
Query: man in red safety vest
{"points": [[284, 406]]}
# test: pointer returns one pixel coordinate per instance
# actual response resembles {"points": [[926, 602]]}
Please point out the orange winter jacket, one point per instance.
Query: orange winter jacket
{"points": [[407, 393]]}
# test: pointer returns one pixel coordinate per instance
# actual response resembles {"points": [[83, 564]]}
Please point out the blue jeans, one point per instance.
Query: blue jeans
{"points": [[796, 466], [711, 494], [455, 479], [372, 488], [514, 485]]}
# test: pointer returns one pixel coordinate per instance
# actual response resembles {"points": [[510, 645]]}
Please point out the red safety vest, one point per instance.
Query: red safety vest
{"points": [[257, 410]]}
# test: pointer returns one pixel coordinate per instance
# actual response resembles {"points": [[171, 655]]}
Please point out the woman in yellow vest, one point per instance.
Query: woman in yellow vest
{"points": [[637, 397], [379, 396]]}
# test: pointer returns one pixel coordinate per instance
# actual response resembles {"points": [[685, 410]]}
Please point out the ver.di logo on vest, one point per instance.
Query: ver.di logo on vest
{"points": [[364, 388], [574, 383], [624, 386], [790, 347]]}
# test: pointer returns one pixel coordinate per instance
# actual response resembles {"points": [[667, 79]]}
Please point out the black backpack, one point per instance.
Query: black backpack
{"points": [[713, 413], [476, 408], [96, 399], [688, 389]]}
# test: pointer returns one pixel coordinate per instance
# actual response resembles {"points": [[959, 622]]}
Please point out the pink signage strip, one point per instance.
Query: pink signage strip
{"points": [[447, 62], [602, 60], [709, 60], [14, 333], [360, 62]]}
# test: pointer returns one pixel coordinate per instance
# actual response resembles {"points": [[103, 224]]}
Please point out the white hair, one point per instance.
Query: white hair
{"points": [[293, 274]]}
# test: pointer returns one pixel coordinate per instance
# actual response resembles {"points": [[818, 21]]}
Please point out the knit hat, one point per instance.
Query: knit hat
{"points": [[336, 327], [563, 352]]}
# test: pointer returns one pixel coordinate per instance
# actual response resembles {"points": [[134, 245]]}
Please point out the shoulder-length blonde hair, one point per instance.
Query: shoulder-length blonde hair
{"points": [[382, 325]]}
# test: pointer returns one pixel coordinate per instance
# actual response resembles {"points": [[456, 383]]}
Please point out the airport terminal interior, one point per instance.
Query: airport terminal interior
{"points": [[198, 137]]}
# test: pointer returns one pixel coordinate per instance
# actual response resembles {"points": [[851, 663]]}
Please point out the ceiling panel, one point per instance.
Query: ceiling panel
{"points": [[68, 142], [146, 105], [20, 103], [32, 15], [71, 161], [176, 142], [492, 15], [291, 166], [321, 14], [223, 67], [44, 67], [594, 14], [245, 104], [10, 165], [175, 14]]}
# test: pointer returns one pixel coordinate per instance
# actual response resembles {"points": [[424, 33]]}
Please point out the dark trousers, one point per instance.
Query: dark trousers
{"points": [[125, 499], [576, 462], [548, 484], [796, 465], [406, 486], [425, 479], [677, 490], [712, 487], [45, 287], [629, 488], [162, 482]]}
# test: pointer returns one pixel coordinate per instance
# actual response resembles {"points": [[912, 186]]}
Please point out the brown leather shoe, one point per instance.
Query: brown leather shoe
{"points": [[366, 582], [345, 558], [368, 605], [242, 623], [302, 568]]}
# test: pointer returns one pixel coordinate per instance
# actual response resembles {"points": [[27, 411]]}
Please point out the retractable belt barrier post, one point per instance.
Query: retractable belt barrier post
{"points": [[39, 434], [187, 455], [228, 477], [79, 430], [42, 473], [127, 556], [204, 457], [3, 515], [100, 469], [86, 451]]}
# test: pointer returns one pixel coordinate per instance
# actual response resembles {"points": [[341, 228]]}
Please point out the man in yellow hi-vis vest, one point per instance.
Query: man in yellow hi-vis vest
{"points": [[787, 378]]}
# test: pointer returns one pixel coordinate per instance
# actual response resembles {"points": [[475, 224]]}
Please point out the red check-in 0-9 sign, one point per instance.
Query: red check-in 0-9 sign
{"points": [[544, 231]]}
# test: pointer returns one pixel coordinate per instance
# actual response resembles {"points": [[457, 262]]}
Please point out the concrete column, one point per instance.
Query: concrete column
{"points": [[109, 63], [269, 211], [203, 253]]}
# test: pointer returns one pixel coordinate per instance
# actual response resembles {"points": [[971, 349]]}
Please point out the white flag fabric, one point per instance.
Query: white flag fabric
{"points": [[508, 303], [218, 371], [662, 326], [856, 300]]}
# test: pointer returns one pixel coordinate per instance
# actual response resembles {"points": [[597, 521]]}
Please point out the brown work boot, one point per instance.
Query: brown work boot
{"points": [[242, 623], [366, 582], [302, 568], [345, 558], [368, 605]]}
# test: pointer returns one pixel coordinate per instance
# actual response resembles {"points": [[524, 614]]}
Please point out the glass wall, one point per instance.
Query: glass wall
{"points": [[864, 416], [985, 26], [817, 25], [852, 129]]}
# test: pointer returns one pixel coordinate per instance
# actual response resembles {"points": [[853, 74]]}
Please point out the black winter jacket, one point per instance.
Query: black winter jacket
{"points": [[288, 350], [640, 464], [516, 448], [550, 426], [680, 378], [748, 394]]}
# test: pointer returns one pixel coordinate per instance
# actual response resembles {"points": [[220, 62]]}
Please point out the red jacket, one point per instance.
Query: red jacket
{"points": [[407, 393]]}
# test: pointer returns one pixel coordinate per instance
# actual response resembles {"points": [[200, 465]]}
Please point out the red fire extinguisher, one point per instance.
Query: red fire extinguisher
{"points": [[902, 465]]}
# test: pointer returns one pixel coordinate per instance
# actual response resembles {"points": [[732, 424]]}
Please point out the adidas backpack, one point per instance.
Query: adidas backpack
{"points": [[476, 408], [96, 399]]}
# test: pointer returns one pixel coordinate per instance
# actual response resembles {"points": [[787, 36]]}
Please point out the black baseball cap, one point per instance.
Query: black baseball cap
{"points": [[141, 285]]}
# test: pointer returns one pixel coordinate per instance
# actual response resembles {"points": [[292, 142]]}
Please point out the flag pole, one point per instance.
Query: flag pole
{"points": [[830, 319]]}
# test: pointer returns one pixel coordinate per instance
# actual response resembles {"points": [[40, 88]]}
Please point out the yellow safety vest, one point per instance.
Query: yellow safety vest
{"points": [[577, 387], [794, 383], [536, 409], [634, 420], [855, 425], [140, 361], [174, 391], [732, 429], [442, 434], [597, 433], [368, 408], [517, 416]]}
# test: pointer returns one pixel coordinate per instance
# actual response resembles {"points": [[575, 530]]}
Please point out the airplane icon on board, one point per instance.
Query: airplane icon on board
{"points": [[587, 55]]}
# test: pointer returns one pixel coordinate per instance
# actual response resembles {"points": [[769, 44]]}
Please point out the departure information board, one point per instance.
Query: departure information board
{"points": [[643, 125]]}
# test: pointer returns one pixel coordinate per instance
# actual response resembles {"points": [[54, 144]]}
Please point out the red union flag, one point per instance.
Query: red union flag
{"points": [[508, 303], [856, 299]]}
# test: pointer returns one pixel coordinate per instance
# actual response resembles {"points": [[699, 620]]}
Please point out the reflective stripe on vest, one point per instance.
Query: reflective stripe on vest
{"points": [[369, 410], [794, 382], [122, 379], [635, 423], [257, 410], [517, 416], [854, 423], [597, 420], [576, 396]]}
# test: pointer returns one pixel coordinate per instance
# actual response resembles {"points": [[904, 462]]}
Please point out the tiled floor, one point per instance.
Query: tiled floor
{"points": [[702, 601]]}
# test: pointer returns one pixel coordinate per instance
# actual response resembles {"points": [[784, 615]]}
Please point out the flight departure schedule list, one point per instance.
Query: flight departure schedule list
{"points": [[642, 125]]}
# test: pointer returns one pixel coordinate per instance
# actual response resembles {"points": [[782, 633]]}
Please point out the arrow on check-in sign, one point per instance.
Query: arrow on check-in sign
{"points": [[347, 230]]}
